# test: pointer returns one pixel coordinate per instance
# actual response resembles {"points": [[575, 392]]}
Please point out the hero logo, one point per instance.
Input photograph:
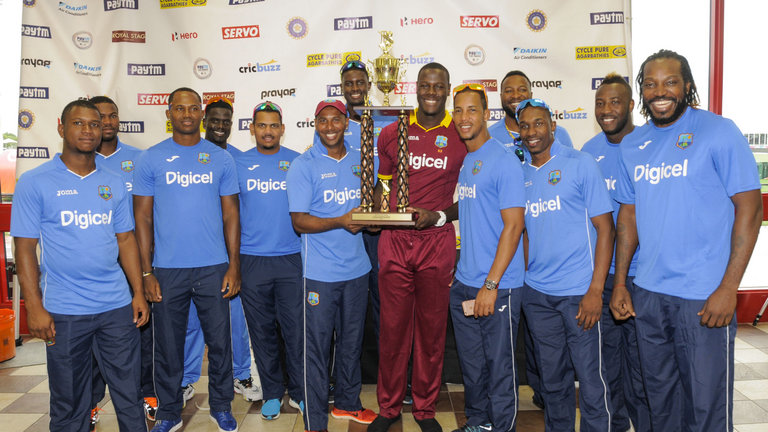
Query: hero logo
{"points": [[110, 5], [36, 62], [244, 123], [597, 81], [547, 84], [33, 92], [240, 32], [185, 180], [146, 69], [405, 21], [497, 114], [334, 90], [85, 220], [340, 197], [606, 18], [577, 114], [405, 88], [491, 85], [153, 98], [36, 31], [131, 127], [265, 186], [467, 191], [353, 23], [278, 93], [479, 21], [417, 162], [655, 174], [538, 207], [176, 36]]}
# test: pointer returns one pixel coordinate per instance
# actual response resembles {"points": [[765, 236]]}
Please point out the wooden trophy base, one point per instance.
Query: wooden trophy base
{"points": [[384, 219]]}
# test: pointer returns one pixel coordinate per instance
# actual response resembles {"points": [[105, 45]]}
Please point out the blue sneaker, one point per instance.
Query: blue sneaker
{"points": [[224, 419], [167, 425], [271, 409], [298, 405]]}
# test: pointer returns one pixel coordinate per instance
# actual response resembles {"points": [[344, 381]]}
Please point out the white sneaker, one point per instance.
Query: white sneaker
{"points": [[250, 392], [188, 392]]}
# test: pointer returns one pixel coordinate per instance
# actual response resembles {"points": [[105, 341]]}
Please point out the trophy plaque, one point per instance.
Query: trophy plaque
{"points": [[388, 71]]}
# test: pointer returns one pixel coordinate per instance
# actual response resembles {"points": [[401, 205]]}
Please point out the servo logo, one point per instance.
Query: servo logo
{"points": [[405, 88], [131, 127], [111, 5], [33, 92], [353, 23], [597, 18], [146, 69], [153, 98], [240, 32], [479, 21], [36, 31]]}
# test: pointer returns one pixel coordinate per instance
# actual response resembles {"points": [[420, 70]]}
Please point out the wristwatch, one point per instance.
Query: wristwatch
{"points": [[440, 222], [490, 285]]}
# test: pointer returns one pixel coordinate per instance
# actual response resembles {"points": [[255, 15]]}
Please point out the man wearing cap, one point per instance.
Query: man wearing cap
{"points": [[76, 210], [270, 259], [323, 191], [187, 215], [491, 267], [570, 242], [416, 265], [218, 126]]}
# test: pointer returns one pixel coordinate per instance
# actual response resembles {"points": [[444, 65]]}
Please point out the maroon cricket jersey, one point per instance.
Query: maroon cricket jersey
{"points": [[435, 157]]}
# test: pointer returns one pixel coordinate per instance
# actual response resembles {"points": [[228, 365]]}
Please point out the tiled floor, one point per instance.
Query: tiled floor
{"points": [[24, 400]]}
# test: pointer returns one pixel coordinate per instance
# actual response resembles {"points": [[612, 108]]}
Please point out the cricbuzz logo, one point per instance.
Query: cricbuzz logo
{"points": [[84, 220]]}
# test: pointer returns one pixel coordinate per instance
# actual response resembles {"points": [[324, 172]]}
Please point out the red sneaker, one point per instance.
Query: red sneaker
{"points": [[364, 416]]}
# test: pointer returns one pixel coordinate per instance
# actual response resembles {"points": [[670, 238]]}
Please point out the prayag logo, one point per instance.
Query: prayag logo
{"points": [[554, 177], [203, 158], [105, 192], [284, 165], [356, 170], [478, 166], [685, 140]]}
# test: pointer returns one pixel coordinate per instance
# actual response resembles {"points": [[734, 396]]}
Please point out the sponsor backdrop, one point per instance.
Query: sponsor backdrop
{"points": [[137, 51]]}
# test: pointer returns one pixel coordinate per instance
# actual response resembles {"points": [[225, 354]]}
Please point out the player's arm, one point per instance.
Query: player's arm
{"points": [[305, 223], [427, 218], [513, 219], [626, 245], [230, 211], [143, 216], [591, 305], [39, 321], [719, 307], [128, 251]]}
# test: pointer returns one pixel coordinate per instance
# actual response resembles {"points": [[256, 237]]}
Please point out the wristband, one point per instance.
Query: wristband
{"points": [[440, 222], [145, 274]]}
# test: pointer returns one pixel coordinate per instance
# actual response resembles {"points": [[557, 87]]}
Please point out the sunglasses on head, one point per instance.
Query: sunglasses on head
{"points": [[354, 64], [538, 103], [220, 99], [471, 86], [267, 106]]}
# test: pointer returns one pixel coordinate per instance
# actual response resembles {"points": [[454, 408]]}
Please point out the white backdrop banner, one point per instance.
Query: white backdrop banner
{"points": [[290, 52]]}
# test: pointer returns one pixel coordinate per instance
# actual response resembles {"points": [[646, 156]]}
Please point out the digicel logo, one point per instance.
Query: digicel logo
{"points": [[240, 32], [153, 98], [479, 21]]}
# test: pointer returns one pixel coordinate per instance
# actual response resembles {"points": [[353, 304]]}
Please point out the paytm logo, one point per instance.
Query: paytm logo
{"points": [[340, 196], [33, 92], [244, 123], [85, 220], [597, 81], [655, 174], [36, 31], [146, 69], [185, 180], [353, 23], [542, 206], [497, 114], [265, 186], [334, 90], [110, 5], [32, 153], [606, 18], [131, 127]]}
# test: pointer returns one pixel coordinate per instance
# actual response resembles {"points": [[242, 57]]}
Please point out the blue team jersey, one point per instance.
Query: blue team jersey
{"points": [[561, 198], [234, 151], [490, 180], [607, 156], [352, 136], [510, 138], [123, 162], [266, 228], [75, 220], [325, 187], [680, 179], [187, 183]]}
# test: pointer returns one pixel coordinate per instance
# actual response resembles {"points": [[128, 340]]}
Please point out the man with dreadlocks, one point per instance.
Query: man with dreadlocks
{"points": [[690, 195]]}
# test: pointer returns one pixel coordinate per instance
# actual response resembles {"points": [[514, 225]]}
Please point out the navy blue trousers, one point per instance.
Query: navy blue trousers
{"points": [[272, 294], [322, 302], [486, 355], [622, 368], [687, 367], [179, 287], [563, 352], [113, 339]]}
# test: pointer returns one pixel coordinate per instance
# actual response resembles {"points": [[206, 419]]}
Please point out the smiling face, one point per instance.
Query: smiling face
{"points": [[432, 90], [218, 125], [330, 125], [664, 90], [110, 121], [469, 116], [355, 86], [80, 130], [267, 129], [185, 113], [514, 90], [613, 109], [536, 129]]}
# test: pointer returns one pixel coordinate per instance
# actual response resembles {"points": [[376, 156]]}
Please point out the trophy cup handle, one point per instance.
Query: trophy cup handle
{"points": [[401, 78]]}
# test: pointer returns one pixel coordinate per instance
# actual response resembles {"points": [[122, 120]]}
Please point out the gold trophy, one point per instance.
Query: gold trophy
{"points": [[388, 71]]}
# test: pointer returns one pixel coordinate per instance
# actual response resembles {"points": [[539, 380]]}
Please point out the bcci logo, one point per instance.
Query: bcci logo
{"points": [[105, 192], [478, 166], [126, 166], [554, 177], [203, 158], [356, 170], [313, 298], [685, 140], [284, 165], [441, 141]]}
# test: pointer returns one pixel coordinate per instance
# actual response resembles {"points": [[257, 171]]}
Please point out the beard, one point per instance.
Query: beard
{"points": [[660, 121], [510, 111]]}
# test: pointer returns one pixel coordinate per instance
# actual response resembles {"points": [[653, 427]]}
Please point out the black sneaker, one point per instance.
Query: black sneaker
{"points": [[382, 424], [429, 425], [408, 399], [331, 391], [538, 400]]}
